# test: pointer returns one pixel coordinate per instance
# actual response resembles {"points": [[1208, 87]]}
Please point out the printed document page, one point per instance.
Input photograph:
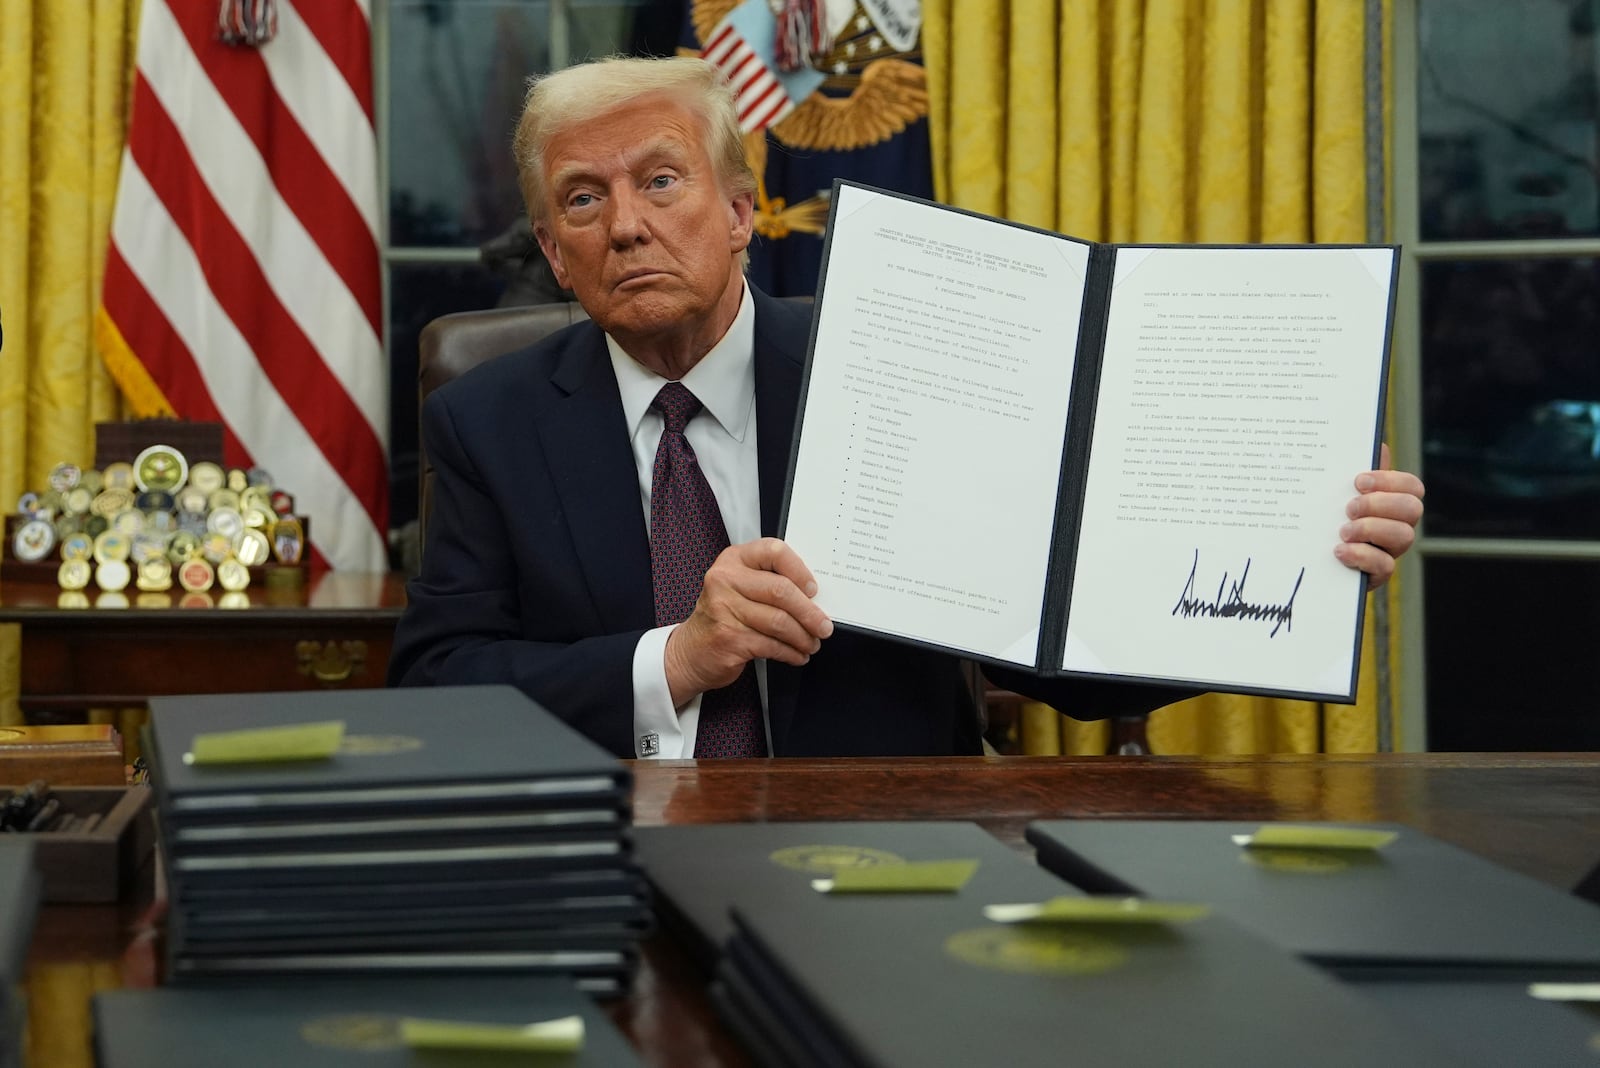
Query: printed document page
{"points": [[1238, 400], [925, 482]]}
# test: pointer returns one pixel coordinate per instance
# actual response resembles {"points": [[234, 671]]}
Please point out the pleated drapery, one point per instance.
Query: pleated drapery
{"points": [[64, 70], [1227, 121]]}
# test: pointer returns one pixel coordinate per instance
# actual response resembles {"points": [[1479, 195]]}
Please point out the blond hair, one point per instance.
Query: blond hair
{"points": [[574, 95]]}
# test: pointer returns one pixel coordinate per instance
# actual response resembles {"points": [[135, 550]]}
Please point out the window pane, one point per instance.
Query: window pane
{"points": [[457, 74], [1506, 118], [418, 294], [1511, 398], [1509, 648]]}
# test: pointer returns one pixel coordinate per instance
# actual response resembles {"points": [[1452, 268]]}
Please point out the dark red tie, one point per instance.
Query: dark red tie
{"points": [[686, 534]]}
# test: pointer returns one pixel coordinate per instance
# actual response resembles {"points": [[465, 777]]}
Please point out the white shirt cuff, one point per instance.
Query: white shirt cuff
{"points": [[660, 731]]}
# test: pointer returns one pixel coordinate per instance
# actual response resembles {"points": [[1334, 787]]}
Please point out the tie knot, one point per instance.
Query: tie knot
{"points": [[676, 405]]}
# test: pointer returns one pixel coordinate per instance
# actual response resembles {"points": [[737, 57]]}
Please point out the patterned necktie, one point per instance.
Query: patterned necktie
{"points": [[686, 535]]}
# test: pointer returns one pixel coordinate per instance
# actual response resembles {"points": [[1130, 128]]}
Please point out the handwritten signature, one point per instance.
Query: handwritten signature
{"points": [[1280, 615]]}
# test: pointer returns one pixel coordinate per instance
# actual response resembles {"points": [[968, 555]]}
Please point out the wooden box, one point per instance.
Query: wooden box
{"points": [[121, 442], [65, 755], [98, 865]]}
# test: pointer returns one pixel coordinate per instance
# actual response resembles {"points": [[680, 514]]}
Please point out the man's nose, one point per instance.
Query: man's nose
{"points": [[628, 223]]}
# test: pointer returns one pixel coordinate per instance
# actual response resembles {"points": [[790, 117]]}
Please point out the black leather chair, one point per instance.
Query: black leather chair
{"points": [[453, 344]]}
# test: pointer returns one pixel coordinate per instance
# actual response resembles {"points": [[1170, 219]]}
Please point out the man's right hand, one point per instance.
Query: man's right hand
{"points": [[755, 603]]}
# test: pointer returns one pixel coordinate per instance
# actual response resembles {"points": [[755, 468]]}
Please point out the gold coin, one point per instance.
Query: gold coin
{"points": [[77, 500], [112, 575], [232, 575], [112, 545], [74, 574], [130, 522], [118, 477], [64, 477], [185, 545], [196, 575], [207, 477], [111, 501], [225, 521], [160, 467], [250, 547], [223, 498], [155, 574], [77, 547], [238, 481]]}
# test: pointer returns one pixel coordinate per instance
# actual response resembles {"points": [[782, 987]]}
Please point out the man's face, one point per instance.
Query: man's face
{"points": [[639, 227]]}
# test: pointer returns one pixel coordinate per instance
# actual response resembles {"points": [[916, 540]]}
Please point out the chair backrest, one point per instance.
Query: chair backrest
{"points": [[454, 344]]}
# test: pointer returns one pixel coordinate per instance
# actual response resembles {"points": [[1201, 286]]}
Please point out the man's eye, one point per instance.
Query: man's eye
{"points": [[580, 200], [661, 181]]}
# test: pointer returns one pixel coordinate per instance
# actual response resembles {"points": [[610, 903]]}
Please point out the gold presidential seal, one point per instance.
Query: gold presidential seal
{"points": [[1036, 950], [827, 859], [366, 1032]]}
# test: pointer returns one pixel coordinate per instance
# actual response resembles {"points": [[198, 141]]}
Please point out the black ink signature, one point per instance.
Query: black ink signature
{"points": [[1280, 614]]}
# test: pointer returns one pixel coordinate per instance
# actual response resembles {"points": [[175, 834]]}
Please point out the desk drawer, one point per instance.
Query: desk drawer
{"points": [[120, 665]]}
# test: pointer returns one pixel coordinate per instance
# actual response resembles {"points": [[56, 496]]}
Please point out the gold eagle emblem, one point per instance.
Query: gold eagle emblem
{"points": [[870, 93]]}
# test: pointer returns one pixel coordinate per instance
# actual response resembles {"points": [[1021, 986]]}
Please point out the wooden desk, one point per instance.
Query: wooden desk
{"points": [[1537, 814], [336, 630]]}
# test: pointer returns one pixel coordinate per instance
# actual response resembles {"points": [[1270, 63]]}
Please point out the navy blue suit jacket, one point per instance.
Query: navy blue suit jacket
{"points": [[536, 570]]}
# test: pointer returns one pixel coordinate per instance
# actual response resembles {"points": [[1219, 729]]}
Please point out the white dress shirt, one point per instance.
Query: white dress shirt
{"points": [[723, 437]]}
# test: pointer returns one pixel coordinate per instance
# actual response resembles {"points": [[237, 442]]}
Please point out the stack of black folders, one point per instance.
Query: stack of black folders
{"points": [[929, 979], [1495, 964], [19, 903], [458, 829]]}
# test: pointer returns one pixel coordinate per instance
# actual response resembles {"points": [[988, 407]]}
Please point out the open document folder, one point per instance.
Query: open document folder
{"points": [[1087, 459]]}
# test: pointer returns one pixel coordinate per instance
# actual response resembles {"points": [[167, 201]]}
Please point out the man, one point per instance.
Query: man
{"points": [[556, 466]]}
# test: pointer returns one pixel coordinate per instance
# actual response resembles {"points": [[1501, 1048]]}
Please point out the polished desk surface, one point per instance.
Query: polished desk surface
{"points": [[99, 651], [1538, 814]]}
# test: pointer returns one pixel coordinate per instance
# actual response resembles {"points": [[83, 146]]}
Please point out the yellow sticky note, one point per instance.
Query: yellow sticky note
{"points": [[1304, 836], [299, 741], [563, 1035], [1097, 910], [918, 877], [1565, 991]]}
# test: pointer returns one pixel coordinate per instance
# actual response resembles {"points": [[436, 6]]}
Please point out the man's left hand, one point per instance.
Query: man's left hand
{"points": [[1383, 521]]}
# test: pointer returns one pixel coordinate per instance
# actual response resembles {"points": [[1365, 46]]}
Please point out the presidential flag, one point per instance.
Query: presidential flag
{"points": [[242, 280]]}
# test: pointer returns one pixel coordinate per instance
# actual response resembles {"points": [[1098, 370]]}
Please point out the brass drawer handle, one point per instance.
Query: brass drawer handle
{"points": [[332, 662]]}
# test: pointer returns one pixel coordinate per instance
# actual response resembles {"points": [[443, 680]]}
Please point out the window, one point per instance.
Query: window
{"points": [[1498, 207], [451, 75]]}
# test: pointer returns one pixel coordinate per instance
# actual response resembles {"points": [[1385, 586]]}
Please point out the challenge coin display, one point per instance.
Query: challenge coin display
{"points": [[127, 525], [160, 467]]}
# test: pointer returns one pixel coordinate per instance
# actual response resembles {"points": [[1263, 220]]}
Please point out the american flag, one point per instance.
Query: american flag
{"points": [[743, 47], [242, 282]]}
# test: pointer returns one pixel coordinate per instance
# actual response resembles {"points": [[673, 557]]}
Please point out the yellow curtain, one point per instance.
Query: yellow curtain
{"points": [[1166, 121], [64, 71]]}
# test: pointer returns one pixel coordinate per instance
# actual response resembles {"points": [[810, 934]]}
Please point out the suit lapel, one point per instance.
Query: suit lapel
{"points": [[779, 362], [586, 438]]}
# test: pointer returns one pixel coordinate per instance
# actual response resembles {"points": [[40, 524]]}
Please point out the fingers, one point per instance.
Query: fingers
{"points": [[1382, 520], [755, 603]]}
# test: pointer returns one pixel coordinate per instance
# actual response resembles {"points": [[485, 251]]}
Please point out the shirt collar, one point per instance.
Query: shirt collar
{"points": [[724, 379]]}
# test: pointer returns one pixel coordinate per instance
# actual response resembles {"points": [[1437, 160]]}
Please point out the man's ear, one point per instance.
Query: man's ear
{"points": [[741, 221], [552, 253]]}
